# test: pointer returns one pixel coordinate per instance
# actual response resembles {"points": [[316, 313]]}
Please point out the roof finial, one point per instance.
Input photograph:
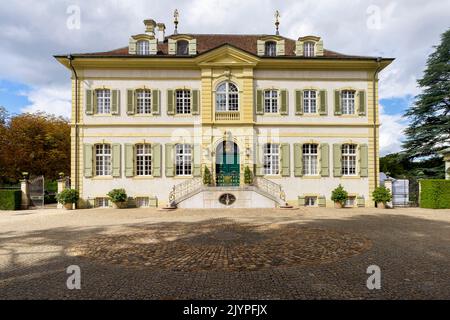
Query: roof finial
{"points": [[277, 21], [175, 20]]}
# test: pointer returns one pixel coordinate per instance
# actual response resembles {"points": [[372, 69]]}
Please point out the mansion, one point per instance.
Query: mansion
{"points": [[153, 116]]}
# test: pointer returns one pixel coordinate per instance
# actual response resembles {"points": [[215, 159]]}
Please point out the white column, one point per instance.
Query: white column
{"points": [[61, 187], [25, 188]]}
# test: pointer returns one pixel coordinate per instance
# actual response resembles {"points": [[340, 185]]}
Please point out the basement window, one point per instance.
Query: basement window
{"points": [[310, 201], [102, 202]]}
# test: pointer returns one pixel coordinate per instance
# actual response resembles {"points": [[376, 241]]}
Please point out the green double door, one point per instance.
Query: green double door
{"points": [[227, 164]]}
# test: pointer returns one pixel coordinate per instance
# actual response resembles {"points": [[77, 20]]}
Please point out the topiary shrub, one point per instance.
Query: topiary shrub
{"points": [[435, 194], [248, 175], [68, 196], [10, 199], [339, 195], [117, 195], [381, 194], [207, 177]]}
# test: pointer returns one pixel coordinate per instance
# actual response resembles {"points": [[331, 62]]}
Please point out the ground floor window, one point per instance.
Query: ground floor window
{"points": [[348, 159], [310, 159], [310, 201], [183, 160], [101, 202], [143, 160], [271, 159], [103, 159]]}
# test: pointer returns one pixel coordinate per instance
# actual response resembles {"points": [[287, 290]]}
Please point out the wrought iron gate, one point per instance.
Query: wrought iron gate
{"points": [[400, 193], [37, 191]]}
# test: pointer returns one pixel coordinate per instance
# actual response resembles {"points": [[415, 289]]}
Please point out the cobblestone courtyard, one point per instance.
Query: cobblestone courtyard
{"points": [[225, 254]]}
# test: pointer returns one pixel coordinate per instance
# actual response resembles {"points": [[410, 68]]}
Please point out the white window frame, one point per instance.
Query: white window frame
{"points": [[143, 47], [103, 97], [310, 159], [348, 101], [270, 49], [349, 159], [271, 101], [143, 159], [308, 49], [183, 159], [143, 101], [103, 159], [183, 101], [271, 161], [227, 97], [309, 101]]}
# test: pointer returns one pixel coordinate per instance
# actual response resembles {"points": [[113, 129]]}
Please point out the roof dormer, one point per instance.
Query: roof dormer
{"points": [[182, 45], [309, 46], [146, 43], [271, 46]]}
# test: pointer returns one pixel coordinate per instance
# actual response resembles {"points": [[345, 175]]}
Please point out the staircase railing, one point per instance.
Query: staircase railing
{"points": [[271, 188], [183, 189]]}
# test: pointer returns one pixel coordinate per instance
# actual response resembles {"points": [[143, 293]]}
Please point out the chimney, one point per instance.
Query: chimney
{"points": [[161, 32], [150, 25]]}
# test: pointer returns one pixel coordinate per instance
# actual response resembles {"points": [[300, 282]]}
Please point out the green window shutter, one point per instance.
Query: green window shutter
{"points": [[169, 161], [115, 103], [129, 160], [156, 159], [337, 159], [363, 160], [259, 102], [285, 160], [88, 160], [196, 172], [170, 104], [324, 160], [94, 101], [322, 201], [362, 103], [284, 108], [116, 160], [323, 110], [298, 159], [155, 102], [298, 102], [259, 161], [130, 101], [337, 102], [301, 201], [360, 201], [195, 102], [89, 102]]}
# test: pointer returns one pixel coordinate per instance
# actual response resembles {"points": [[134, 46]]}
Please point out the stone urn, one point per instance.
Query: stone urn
{"points": [[120, 205], [68, 206], [381, 205]]}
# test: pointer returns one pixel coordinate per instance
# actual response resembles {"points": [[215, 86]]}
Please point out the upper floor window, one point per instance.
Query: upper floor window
{"points": [[349, 159], [348, 101], [143, 159], [103, 101], [103, 159], [271, 159], [182, 48], [271, 101], [143, 101], [308, 49], [143, 47], [309, 101], [270, 48], [310, 159], [227, 97], [183, 101], [183, 160]]}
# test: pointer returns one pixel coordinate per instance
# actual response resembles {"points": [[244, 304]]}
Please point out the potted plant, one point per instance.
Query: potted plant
{"points": [[381, 195], [119, 198], [67, 198], [339, 196], [207, 177], [248, 176]]}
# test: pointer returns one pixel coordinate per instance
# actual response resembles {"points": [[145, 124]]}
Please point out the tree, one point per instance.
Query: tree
{"points": [[35, 143], [429, 130]]}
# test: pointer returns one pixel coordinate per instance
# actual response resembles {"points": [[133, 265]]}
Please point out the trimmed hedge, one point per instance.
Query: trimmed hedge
{"points": [[435, 194], [10, 199]]}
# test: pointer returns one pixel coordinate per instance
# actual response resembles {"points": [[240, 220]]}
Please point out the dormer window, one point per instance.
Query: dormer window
{"points": [[308, 49], [143, 47], [182, 48], [270, 48]]}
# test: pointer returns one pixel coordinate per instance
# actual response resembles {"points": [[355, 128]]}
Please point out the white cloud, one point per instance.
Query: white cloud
{"points": [[50, 99], [391, 132]]}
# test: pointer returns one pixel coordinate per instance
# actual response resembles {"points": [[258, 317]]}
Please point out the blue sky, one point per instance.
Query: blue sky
{"points": [[31, 32]]}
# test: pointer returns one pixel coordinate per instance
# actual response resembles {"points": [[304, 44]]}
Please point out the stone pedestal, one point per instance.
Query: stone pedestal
{"points": [[61, 187], [25, 188], [388, 184]]}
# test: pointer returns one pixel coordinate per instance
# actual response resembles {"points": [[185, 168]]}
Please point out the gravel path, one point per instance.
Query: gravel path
{"points": [[225, 254]]}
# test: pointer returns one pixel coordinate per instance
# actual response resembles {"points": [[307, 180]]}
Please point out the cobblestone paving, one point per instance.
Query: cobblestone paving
{"points": [[225, 254]]}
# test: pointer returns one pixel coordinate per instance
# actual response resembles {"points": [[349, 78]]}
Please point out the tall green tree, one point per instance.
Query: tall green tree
{"points": [[429, 129]]}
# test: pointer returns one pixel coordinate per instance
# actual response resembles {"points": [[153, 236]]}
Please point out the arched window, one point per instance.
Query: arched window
{"points": [[270, 48], [182, 48], [143, 47], [308, 49], [227, 97]]}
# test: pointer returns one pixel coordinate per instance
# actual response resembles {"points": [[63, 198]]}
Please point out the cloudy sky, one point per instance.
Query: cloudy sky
{"points": [[31, 32]]}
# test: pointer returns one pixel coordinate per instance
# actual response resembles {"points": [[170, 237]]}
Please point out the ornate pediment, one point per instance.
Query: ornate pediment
{"points": [[227, 55]]}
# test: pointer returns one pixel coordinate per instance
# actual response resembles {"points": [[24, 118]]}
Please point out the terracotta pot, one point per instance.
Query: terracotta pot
{"points": [[381, 205], [68, 206], [338, 205], [120, 205]]}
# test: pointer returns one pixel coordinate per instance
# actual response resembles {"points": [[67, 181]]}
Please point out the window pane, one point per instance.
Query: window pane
{"points": [[182, 48], [102, 159], [183, 101], [143, 160], [143, 102]]}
